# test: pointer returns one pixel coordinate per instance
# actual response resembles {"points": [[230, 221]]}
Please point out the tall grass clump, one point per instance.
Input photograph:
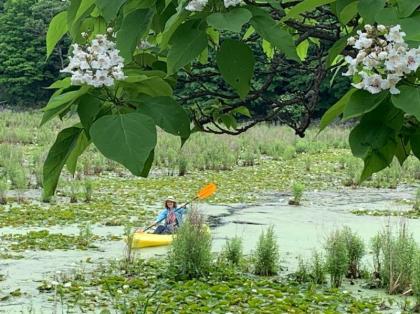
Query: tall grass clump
{"points": [[336, 260], [266, 256], [190, 255], [3, 189], [355, 252], [297, 193], [416, 281], [88, 190], [312, 270], [416, 205], [233, 251], [396, 252]]}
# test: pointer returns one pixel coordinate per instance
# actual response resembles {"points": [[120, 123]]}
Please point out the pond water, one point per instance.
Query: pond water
{"points": [[299, 229]]}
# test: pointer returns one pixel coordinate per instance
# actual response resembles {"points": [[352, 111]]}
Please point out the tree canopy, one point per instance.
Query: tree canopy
{"points": [[24, 71], [128, 57]]}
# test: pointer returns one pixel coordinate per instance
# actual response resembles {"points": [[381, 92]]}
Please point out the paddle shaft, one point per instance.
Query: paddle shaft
{"points": [[159, 221]]}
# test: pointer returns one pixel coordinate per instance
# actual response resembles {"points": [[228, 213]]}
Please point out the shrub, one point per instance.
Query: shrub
{"points": [[355, 251], [266, 256], [88, 189], [190, 255], [336, 258], [397, 255], [297, 192], [416, 205], [416, 279], [233, 250], [302, 272], [317, 268], [3, 190]]}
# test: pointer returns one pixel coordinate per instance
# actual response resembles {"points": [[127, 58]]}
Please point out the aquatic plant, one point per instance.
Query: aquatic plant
{"points": [[397, 255], [88, 190], [317, 268], [266, 255], [3, 189], [297, 192], [336, 259], [190, 254], [416, 205], [355, 251], [233, 251]]}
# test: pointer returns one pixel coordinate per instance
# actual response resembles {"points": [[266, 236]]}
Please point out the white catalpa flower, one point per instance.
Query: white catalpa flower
{"points": [[196, 5], [383, 58], [98, 64], [395, 35], [231, 3]]}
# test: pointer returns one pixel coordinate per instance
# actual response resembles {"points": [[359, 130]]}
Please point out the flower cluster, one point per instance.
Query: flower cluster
{"points": [[383, 58], [98, 64], [199, 5]]}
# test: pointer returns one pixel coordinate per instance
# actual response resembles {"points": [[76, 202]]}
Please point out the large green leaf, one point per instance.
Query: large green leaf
{"points": [[362, 102], [268, 29], [57, 156], [188, 41], [336, 49], [415, 144], [369, 8], [134, 27], [167, 114], [82, 143], [407, 7], [347, 13], [232, 20], [56, 30], [304, 6], [408, 100], [85, 5], [109, 8], [378, 159], [152, 86], [87, 109], [337, 109], [410, 25], [126, 138], [60, 103], [235, 61]]}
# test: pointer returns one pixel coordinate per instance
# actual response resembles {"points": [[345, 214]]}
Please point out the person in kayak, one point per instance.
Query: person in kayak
{"points": [[171, 215]]}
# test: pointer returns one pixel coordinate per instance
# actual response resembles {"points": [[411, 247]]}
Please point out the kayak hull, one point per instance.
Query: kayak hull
{"points": [[142, 240]]}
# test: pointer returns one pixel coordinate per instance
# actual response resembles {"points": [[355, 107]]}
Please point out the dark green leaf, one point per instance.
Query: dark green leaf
{"points": [[56, 30], [187, 42], [152, 86], [235, 61], [268, 29], [408, 100], [81, 145], [402, 150], [148, 164], [407, 7], [378, 159], [336, 49], [348, 12], [167, 114], [362, 102], [85, 5], [337, 109], [109, 8], [57, 156], [134, 26], [415, 144], [87, 109], [369, 8], [304, 6], [71, 12], [60, 103], [232, 20], [126, 138], [389, 16]]}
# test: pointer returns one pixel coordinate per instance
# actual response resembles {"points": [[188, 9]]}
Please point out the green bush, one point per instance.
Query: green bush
{"points": [[297, 192], [355, 250], [88, 190], [336, 258], [317, 268], [416, 205], [3, 190], [266, 256], [397, 255], [232, 251], [190, 255], [416, 278]]}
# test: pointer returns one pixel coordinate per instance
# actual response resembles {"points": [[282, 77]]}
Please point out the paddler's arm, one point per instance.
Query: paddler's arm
{"points": [[161, 216]]}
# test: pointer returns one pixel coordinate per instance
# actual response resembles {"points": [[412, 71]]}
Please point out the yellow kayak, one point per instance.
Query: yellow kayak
{"points": [[141, 240]]}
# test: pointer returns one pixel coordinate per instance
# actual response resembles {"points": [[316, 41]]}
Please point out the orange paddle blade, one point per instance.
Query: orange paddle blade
{"points": [[207, 191]]}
